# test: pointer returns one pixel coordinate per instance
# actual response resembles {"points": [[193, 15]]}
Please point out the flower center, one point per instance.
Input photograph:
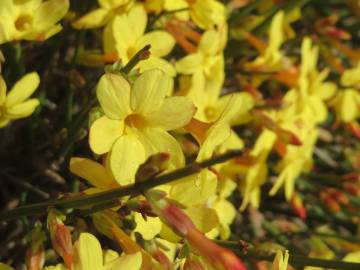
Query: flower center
{"points": [[210, 113], [23, 22], [135, 121]]}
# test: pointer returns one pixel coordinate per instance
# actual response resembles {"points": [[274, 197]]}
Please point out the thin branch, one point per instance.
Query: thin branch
{"points": [[102, 198]]}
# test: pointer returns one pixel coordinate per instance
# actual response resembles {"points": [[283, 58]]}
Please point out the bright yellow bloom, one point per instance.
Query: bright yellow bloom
{"points": [[30, 20], [16, 104], [350, 77], [126, 36], [224, 209], [313, 91], [204, 13], [257, 173], [281, 260], [136, 121], [88, 255], [272, 57], [347, 101], [206, 66], [101, 16], [347, 105]]}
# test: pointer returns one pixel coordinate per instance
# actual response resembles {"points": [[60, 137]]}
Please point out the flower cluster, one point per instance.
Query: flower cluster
{"points": [[168, 87]]}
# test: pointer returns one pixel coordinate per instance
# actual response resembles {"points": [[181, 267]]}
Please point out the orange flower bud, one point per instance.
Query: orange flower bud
{"points": [[60, 237], [298, 206]]}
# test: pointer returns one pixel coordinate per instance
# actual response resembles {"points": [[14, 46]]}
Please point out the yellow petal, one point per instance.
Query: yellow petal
{"points": [[125, 157], [225, 211], [234, 105], [113, 93], [148, 228], [276, 38], [3, 90], [352, 257], [210, 42], [138, 20], [50, 12], [103, 133], [326, 90], [350, 77], [161, 43], [96, 18], [22, 89], [128, 262], [149, 91], [174, 113], [190, 63], [157, 140], [207, 13], [23, 109], [205, 219], [155, 62], [91, 171], [216, 135], [88, 253], [193, 189], [128, 28]]}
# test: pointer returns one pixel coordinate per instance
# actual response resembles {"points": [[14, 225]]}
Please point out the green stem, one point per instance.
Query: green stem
{"points": [[140, 55], [111, 195]]}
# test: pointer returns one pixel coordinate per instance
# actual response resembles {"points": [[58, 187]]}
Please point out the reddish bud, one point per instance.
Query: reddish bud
{"points": [[159, 255], [192, 264], [219, 257], [298, 206], [60, 237], [35, 258], [35, 255]]}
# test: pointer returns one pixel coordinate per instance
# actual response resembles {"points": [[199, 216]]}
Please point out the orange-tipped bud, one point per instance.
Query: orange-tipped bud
{"points": [[35, 255], [354, 128], [173, 216], [35, 258], [60, 237], [298, 206]]}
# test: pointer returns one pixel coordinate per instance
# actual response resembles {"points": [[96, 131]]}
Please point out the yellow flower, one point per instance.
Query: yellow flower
{"points": [[272, 57], [206, 66], [30, 20], [126, 36], [101, 16], [347, 105], [16, 104], [313, 91], [88, 255], [224, 209], [257, 172], [136, 121], [281, 260], [204, 13], [347, 101], [350, 77]]}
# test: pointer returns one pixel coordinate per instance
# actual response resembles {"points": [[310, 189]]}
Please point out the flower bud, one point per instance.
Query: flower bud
{"points": [[60, 237]]}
